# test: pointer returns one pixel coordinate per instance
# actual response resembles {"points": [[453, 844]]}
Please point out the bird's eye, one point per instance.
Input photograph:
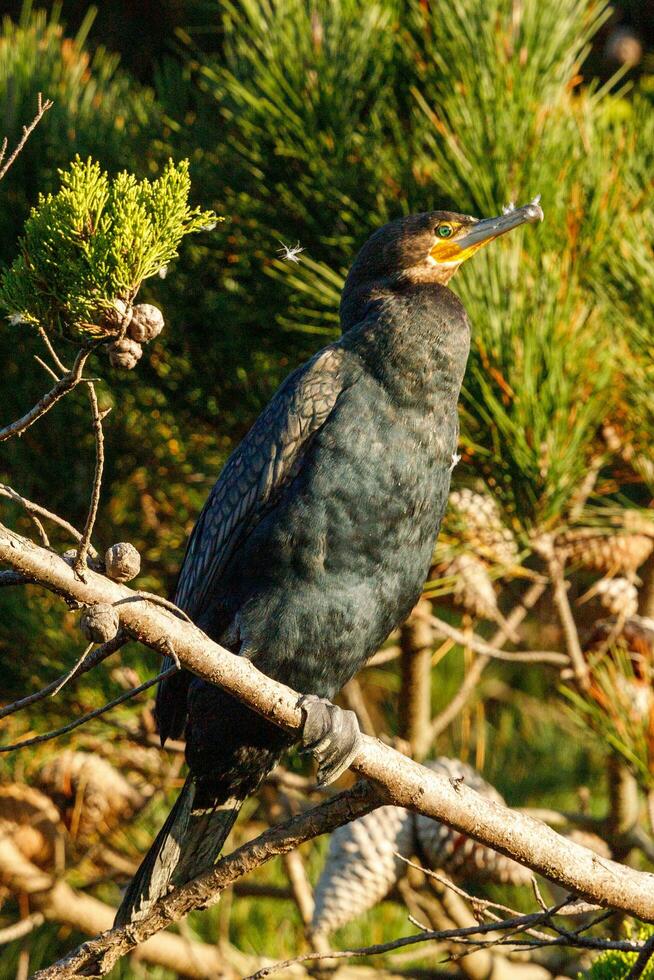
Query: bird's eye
{"points": [[444, 231]]}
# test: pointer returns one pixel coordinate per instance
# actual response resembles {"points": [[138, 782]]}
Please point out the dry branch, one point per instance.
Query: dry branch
{"points": [[416, 641], [472, 678], [41, 109], [85, 542], [62, 387], [97, 957], [37, 510], [482, 646], [402, 781], [71, 726]]}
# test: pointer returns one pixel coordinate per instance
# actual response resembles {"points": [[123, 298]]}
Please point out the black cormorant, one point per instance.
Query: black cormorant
{"points": [[315, 541]]}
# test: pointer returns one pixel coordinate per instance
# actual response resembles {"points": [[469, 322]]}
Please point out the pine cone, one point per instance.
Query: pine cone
{"points": [[459, 856], [483, 528], [147, 323], [361, 867], [88, 789], [618, 595], [99, 623], [122, 562], [609, 552], [473, 588], [125, 354]]}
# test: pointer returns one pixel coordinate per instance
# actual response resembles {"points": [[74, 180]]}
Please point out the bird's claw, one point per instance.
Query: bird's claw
{"points": [[331, 734]]}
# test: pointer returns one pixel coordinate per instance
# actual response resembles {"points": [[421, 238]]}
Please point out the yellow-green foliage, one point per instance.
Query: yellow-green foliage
{"points": [[615, 965], [95, 241]]}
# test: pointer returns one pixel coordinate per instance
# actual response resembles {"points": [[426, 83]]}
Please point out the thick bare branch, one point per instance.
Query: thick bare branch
{"points": [[404, 782]]}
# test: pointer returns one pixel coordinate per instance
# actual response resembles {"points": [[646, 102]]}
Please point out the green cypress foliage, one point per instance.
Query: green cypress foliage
{"points": [[94, 242]]}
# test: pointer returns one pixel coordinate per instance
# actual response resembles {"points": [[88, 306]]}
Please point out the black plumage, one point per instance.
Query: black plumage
{"points": [[315, 541]]}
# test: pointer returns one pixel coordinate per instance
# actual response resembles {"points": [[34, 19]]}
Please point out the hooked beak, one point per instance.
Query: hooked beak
{"points": [[487, 229]]}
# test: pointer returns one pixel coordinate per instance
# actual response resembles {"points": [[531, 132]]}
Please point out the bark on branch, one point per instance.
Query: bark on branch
{"points": [[403, 782], [97, 957]]}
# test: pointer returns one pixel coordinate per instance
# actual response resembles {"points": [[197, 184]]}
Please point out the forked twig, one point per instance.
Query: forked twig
{"points": [[41, 109], [73, 670], [47, 736], [470, 681], [481, 646], [36, 509], [62, 387], [51, 351], [521, 923], [560, 596]]}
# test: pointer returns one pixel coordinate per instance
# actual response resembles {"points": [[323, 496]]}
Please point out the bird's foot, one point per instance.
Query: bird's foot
{"points": [[331, 734]]}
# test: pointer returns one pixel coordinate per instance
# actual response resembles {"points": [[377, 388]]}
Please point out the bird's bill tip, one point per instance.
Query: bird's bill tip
{"points": [[512, 217], [470, 238]]}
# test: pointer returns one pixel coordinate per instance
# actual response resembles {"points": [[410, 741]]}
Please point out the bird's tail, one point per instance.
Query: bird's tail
{"points": [[188, 844]]}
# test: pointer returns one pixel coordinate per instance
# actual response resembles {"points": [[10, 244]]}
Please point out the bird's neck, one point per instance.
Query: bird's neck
{"points": [[414, 338]]}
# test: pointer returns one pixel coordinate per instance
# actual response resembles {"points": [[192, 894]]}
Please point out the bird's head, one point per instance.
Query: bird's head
{"points": [[430, 247]]}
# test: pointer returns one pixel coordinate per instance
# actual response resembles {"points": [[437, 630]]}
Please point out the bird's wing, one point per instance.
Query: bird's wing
{"points": [[264, 463]]}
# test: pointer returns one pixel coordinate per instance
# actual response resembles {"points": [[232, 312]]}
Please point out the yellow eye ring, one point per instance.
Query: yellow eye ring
{"points": [[444, 231]]}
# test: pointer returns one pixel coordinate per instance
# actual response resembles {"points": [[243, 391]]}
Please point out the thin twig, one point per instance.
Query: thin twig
{"points": [[470, 681], [73, 670], [79, 564], [482, 646], [92, 660], [159, 600], [560, 595], [46, 367], [520, 923], [476, 902], [8, 578], [48, 736], [51, 351], [41, 109], [580, 496], [62, 387], [37, 509], [353, 699], [384, 656]]}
